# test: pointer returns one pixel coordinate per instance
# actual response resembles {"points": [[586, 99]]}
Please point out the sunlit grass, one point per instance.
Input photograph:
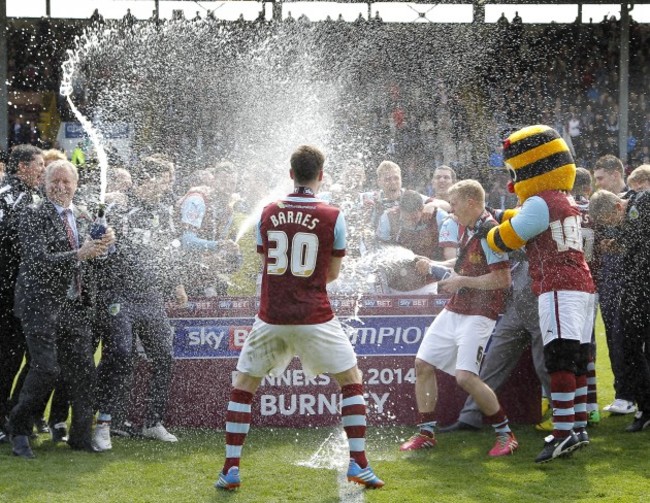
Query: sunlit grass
{"points": [[614, 468]]}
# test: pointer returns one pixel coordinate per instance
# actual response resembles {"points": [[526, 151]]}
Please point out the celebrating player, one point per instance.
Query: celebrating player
{"points": [[456, 340], [302, 241]]}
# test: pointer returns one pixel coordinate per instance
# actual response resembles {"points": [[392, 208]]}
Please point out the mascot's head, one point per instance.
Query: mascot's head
{"points": [[538, 159]]}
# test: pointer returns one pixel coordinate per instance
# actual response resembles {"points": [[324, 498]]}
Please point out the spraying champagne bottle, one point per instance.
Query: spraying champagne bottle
{"points": [[439, 272], [100, 225]]}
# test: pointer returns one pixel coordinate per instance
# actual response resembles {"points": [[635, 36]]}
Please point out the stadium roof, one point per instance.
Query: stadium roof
{"points": [[437, 11]]}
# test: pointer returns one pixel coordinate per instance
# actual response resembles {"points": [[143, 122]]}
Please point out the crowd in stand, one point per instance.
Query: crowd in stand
{"points": [[424, 111]]}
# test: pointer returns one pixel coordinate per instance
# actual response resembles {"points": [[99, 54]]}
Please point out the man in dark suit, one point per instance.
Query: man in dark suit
{"points": [[19, 189], [53, 300]]}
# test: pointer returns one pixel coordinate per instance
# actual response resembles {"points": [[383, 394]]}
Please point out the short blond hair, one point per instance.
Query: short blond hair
{"points": [[53, 155], [468, 189], [602, 204], [386, 166], [640, 175]]}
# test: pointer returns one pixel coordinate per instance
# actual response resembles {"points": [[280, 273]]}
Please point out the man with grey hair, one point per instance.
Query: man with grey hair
{"points": [[639, 179], [53, 299], [629, 219], [609, 175]]}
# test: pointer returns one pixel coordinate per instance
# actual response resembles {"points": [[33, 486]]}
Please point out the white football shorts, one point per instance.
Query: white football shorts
{"points": [[566, 314], [322, 348], [456, 342]]}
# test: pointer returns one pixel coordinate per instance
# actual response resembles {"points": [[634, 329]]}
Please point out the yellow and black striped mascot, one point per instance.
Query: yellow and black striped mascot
{"points": [[537, 159]]}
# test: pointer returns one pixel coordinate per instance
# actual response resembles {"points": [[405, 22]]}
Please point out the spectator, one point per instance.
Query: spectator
{"points": [[639, 179], [406, 225], [207, 223], [144, 273], [631, 220], [609, 175], [118, 186], [389, 181], [499, 197], [443, 178], [96, 19], [78, 156], [410, 227], [21, 187], [60, 402], [347, 194]]}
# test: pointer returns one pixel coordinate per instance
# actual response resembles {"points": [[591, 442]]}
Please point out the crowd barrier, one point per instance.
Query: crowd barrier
{"points": [[386, 332]]}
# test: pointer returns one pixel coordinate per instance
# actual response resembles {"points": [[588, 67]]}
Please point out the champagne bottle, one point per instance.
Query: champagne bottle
{"points": [[100, 225]]}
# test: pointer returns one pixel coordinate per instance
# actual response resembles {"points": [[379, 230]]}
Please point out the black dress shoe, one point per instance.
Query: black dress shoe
{"points": [[59, 434], [640, 423], [457, 426], [21, 448], [83, 446]]}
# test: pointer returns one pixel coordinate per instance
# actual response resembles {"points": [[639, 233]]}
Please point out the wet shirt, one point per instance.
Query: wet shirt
{"points": [[204, 220], [551, 224], [448, 235], [633, 235], [145, 261], [587, 230], [422, 240], [298, 236], [475, 258]]}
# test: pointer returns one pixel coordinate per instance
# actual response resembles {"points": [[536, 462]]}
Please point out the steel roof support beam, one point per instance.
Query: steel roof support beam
{"points": [[624, 77]]}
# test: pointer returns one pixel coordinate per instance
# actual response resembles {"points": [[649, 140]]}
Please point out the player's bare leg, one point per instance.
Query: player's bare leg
{"points": [[426, 396], [486, 399]]}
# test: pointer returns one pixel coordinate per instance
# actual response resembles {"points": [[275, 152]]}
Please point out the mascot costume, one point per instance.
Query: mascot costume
{"points": [[547, 225]]}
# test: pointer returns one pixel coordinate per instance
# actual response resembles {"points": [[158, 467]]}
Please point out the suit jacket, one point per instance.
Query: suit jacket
{"points": [[49, 264], [15, 196]]}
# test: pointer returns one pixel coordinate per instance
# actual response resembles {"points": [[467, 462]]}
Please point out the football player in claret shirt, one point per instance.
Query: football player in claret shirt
{"points": [[302, 242], [456, 340]]}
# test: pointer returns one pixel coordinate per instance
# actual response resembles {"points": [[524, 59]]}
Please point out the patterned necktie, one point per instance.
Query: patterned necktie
{"points": [[75, 288], [68, 229]]}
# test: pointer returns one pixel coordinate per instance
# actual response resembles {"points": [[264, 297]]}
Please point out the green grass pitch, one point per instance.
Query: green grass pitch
{"points": [[614, 468]]}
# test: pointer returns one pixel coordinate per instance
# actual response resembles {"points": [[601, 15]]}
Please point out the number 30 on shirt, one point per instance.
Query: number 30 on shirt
{"points": [[299, 255]]}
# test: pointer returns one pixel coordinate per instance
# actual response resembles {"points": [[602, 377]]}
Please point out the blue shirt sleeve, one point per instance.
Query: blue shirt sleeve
{"points": [[258, 233], [532, 219], [491, 256], [448, 231], [191, 241], [340, 239], [441, 215]]}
